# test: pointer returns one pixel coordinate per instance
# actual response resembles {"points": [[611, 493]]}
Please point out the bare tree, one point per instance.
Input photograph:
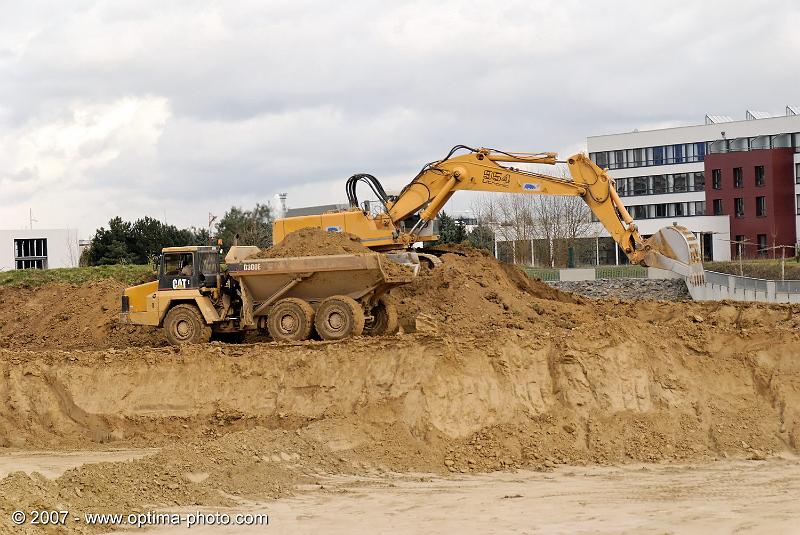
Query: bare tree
{"points": [[72, 249], [555, 220]]}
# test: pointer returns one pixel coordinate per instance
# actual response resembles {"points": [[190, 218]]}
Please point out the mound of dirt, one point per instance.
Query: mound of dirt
{"points": [[255, 464], [69, 316], [315, 242], [473, 292]]}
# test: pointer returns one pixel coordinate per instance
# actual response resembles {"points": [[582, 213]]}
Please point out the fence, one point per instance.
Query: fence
{"points": [[602, 272], [717, 287], [720, 286]]}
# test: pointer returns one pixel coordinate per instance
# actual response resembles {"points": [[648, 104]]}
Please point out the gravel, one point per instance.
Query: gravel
{"points": [[658, 289]]}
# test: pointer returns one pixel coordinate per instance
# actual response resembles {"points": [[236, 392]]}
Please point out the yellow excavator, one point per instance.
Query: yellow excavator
{"points": [[405, 219]]}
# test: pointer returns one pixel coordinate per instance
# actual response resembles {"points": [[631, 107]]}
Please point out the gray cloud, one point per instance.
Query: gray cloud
{"points": [[141, 107]]}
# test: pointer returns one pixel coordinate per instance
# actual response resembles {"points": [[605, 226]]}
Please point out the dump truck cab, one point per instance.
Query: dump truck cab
{"points": [[188, 268], [187, 293]]}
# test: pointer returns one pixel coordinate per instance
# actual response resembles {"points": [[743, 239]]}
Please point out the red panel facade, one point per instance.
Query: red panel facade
{"points": [[778, 221]]}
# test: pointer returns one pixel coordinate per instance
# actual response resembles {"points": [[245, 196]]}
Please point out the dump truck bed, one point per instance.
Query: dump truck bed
{"points": [[313, 278]]}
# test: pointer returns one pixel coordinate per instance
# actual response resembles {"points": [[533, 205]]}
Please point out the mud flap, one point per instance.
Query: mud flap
{"points": [[247, 318]]}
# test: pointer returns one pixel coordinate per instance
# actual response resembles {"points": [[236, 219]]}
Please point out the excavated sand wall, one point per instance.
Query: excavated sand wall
{"points": [[629, 399]]}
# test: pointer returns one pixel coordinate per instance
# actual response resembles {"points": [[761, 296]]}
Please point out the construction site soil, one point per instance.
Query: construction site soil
{"points": [[315, 242], [492, 371]]}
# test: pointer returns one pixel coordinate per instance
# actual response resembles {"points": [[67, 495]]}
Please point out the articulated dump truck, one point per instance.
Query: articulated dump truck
{"points": [[335, 296]]}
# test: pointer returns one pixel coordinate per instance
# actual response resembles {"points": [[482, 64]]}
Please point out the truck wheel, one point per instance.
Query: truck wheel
{"points": [[384, 318], [290, 320], [185, 325], [338, 317]]}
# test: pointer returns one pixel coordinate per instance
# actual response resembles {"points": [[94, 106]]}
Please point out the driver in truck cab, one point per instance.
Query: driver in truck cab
{"points": [[186, 262]]}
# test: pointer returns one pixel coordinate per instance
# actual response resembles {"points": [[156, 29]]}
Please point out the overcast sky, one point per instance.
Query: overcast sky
{"points": [[175, 108]]}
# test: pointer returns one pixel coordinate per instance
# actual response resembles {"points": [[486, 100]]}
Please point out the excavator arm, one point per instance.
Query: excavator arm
{"points": [[674, 248]]}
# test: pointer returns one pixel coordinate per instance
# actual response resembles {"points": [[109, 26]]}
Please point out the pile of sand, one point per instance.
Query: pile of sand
{"points": [[473, 292], [315, 242], [254, 464], [60, 315]]}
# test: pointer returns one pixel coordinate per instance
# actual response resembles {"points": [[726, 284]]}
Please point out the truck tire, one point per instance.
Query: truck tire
{"points": [[384, 318], [338, 317], [290, 320], [185, 325]]}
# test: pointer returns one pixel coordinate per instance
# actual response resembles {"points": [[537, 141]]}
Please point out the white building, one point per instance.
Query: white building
{"points": [[725, 180], [38, 249]]}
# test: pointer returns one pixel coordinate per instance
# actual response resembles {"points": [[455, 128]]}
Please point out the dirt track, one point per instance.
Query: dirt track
{"points": [[501, 373], [726, 497]]}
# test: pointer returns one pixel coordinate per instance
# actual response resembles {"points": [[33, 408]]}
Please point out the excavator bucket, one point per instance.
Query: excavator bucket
{"points": [[676, 248]]}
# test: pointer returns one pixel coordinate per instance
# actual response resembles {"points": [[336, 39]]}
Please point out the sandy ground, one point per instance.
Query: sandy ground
{"points": [[725, 497], [52, 465], [722, 497]]}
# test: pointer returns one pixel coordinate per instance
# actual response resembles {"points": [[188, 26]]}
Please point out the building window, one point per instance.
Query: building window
{"points": [[677, 151], [622, 186], [661, 210], [797, 172], [658, 155], [797, 203], [701, 151], [762, 245], [759, 175], [639, 212], [700, 207], [601, 159], [718, 207], [761, 206], [716, 178], [640, 185], [738, 181], [679, 183], [619, 159], [30, 253], [659, 184], [738, 204], [699, 181]]}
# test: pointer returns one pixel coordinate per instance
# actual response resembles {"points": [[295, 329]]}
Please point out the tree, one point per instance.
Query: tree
{"points": [[451, 230], [151, 235], [482, 237], [124, 242], [555, 221], [112, 246], [253, 227], [135, 243]]}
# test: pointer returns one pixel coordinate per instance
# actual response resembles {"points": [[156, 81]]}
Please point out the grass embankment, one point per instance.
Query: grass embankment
{"points": [[126, 274], [759, 269]]}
